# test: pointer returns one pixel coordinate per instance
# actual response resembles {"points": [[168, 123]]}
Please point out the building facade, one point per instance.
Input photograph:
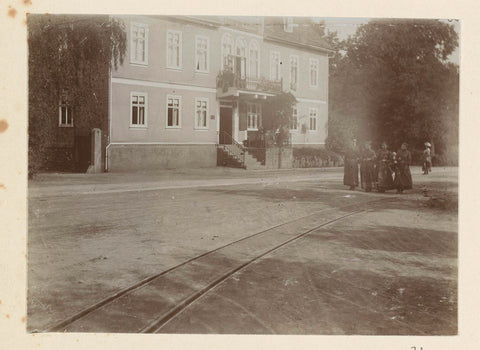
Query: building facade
{"points": [[191, 83]]}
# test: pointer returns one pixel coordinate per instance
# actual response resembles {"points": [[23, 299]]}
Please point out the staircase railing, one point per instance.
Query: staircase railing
{"points": [[232, 147]]}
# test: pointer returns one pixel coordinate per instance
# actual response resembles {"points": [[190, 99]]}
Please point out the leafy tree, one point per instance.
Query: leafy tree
{"points": [[277, 116], [394, 83], [69, 56]]}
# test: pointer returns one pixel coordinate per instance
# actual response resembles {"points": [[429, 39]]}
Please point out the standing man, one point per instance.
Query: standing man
{"points": [[350, 175]]}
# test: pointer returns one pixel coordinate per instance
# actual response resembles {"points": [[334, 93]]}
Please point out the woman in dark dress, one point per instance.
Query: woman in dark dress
{"points": [[350, 175], [367, 167], [403, 177], [383, 169]]}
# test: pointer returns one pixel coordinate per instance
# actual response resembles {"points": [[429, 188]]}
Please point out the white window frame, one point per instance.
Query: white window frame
{"points": [[197, 39], [179, 112], [180, 44], [133, 49], [253, 44], [315, 116], [201, 99], [296, 58], [145, 95], [273, 66], [241, 43], [68, 107], [311, 61], [257, 115], [288, 24], [227, 38], [294, 116]]}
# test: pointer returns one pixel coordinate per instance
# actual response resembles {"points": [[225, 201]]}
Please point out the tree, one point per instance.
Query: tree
{"points": [[69, 58], [278, 115], [394, 84]]}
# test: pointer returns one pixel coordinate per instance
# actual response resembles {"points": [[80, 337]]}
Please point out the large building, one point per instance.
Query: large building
{"points": [[191, 83]]}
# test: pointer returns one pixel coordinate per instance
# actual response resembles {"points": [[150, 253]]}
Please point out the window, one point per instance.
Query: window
{"points": [[293, 72], [313, 119], [253, 116], [138, 112], [294, 125], [201, 113], [313, 72], [139, 43], [275, 72], [241, 59], [201, 54], [174, 49], [288, 24], [254, 60], [65, 114], [174, 105], [227, 52]]}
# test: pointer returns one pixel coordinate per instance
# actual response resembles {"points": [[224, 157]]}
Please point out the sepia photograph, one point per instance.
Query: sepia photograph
{"points": [[267, 175]]}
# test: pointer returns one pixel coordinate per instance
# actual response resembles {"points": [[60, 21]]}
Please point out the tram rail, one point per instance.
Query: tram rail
{"points": [[161, 319]]}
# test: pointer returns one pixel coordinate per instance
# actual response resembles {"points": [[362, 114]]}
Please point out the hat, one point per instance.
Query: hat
{"points": [[428, 144]]}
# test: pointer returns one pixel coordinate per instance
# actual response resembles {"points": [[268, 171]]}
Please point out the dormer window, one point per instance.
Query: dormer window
{"points": [[288, 24]]}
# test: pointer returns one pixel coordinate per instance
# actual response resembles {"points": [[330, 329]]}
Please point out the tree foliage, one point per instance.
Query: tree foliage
{"points": [[277, 116], [69, 56], [391, 82], [279, 111]]}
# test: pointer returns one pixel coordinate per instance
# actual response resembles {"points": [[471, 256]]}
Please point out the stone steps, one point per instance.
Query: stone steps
{"points": [[232, 158]]}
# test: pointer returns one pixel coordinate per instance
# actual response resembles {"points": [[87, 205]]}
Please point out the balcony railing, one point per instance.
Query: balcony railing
{"points": [[228, 79]]}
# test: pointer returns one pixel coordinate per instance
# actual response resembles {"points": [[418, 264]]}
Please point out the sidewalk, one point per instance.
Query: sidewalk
{"points": [[56, 184]]}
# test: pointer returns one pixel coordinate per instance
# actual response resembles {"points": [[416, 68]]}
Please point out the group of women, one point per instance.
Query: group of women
{"points": [[382, 170]]}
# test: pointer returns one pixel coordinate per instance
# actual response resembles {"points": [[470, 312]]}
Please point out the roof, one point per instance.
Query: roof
{"points": [[306, 32]]}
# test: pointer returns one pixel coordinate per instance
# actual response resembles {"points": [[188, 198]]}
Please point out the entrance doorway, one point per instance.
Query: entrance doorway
{"points": [[225, 137]]}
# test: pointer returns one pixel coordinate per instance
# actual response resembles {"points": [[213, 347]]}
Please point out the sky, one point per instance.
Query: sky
{"points": [[347, 26]]}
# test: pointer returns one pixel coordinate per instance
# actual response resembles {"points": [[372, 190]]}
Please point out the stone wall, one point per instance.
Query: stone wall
{"points": [[127, 158]]}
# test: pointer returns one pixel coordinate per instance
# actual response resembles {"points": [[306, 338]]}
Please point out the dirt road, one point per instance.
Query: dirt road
{"points": [[102, 236]]}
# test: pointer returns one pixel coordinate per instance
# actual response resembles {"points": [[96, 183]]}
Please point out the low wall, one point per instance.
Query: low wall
{"points": [[278, 158], [124, 158]]}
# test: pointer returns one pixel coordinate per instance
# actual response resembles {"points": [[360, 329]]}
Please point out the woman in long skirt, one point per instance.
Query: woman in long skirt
{"points": [[367, 167], [350, 175], [383, 169], [403, 177]]}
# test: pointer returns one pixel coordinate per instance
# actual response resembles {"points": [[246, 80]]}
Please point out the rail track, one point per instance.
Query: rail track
{"points": [[207, 270]]}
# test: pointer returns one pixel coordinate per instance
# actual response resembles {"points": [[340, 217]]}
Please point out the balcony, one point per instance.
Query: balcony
{"points": [[230, 83]]}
